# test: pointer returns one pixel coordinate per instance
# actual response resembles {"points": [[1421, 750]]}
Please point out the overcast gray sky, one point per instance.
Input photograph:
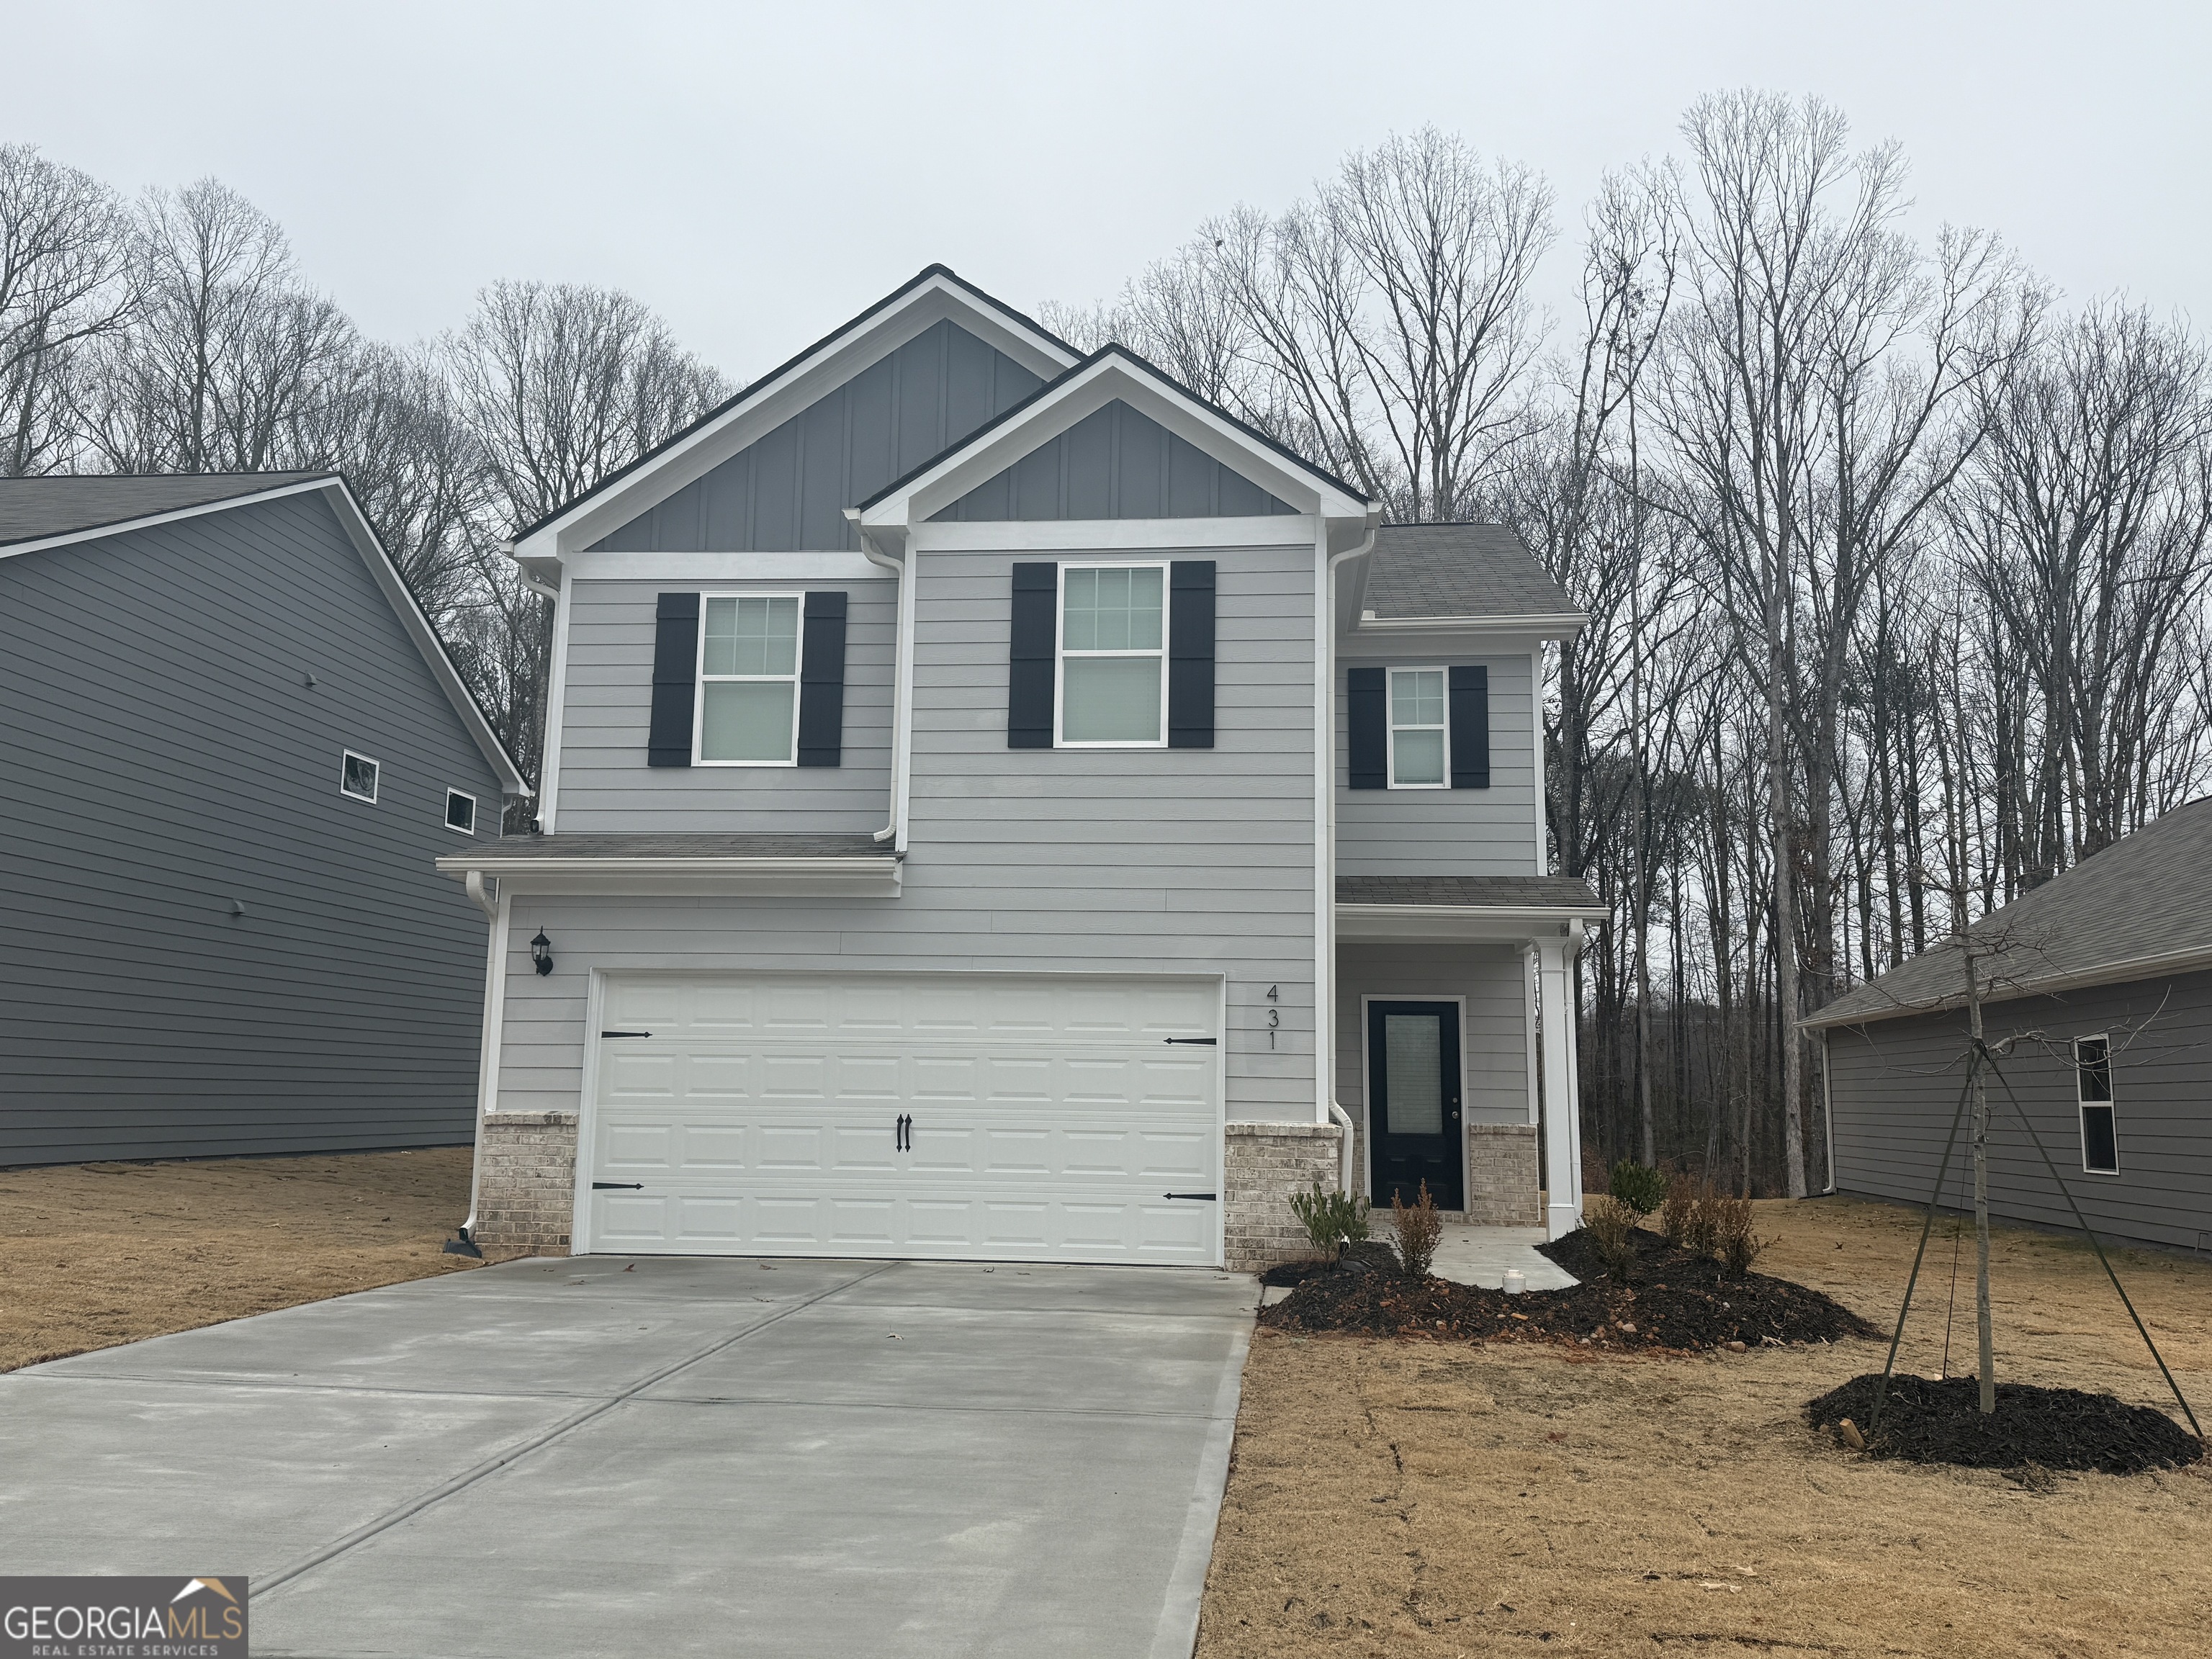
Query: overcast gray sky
{"points": [[758, 172]]}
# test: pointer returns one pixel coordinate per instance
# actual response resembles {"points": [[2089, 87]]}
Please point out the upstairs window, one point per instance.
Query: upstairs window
{"points": [[1420, 734], [357, 777], [2100, 1136], [1113, 655], [748, 681], [460, 811]]}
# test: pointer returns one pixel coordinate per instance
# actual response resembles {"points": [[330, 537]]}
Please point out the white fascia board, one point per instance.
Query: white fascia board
{"points": [[1466, 923], [1114, 535], [795, 878], [1083, 394], [724, 567], [1560, 625], [822, 371], [426, 639]]}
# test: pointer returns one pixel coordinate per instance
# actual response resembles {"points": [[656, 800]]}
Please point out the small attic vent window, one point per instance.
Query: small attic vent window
{"points": [[460, 811], [358, 777]]}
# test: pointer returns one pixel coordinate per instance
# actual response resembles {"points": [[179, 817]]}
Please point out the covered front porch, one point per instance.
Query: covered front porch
{"points": [[1454, 1051]]}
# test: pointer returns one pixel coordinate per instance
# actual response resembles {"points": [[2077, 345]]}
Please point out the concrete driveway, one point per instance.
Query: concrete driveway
{"points": [[660, 1456]]}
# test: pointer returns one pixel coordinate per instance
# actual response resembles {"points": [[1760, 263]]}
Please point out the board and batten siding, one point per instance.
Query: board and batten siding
{"points": [[1116, 463], [605, 786], [1894, 1083], [1152, 861], [162, 756], [1443, 832], [788, 490]]}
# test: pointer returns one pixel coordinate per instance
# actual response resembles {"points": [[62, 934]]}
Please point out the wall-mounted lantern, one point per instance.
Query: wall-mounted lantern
{"points": [[541, 952]]}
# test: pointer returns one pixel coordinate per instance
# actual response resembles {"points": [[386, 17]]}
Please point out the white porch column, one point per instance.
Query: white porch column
{"points": [[1562, 1126]]}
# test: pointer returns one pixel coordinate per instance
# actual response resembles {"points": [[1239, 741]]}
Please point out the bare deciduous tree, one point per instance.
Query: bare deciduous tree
{"points": [[62, 286]]}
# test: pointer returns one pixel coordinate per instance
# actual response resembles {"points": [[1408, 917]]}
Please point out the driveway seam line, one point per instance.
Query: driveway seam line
{"points": [[492, 1465]]}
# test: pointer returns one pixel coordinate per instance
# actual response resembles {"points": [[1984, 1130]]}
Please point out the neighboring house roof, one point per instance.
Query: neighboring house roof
{"points": [[52, 511], [32, 509], [1432, 571], [2140, 908], [1480, 893]]}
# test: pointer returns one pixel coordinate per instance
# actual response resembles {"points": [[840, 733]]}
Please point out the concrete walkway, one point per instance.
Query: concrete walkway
{"points": [[1469, 1255], [663, 1456]]}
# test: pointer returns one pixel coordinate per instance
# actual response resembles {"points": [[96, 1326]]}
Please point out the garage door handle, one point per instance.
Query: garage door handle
{"points": [[618, 1186], [1203, 1042], [609, 1034], [1209, 1197]]}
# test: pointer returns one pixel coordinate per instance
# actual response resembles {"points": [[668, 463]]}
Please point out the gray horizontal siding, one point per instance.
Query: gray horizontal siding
{"points": [[1446, 832], [161, 755], [605, 786], [1116, 463], [1895, 1082], [1027, 861], [789, 490], [1494, 1046]]}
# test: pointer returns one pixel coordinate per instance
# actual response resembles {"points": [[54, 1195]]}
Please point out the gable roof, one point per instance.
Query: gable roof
{"points": [[60, 511], [1125, 370], [1051, 353], [35, 508], [1432, 572], [2141, 907]]}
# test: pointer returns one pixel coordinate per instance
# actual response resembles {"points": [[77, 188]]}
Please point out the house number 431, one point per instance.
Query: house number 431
{"points": [[1274, 1015]]}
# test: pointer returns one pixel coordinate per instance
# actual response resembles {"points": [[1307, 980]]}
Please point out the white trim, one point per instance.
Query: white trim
{"points": [[1390, 725], [852, 348], [556, 707], [587, 1101], [488, 1057], [1114, 535], [1475, 924], [1059, 739], [2111, 1102], [789, 878], [151, 520], [1550, 624], [701, 679], [1367, 1084], [450, 792], [1324, 730], [690, 570], [1531, 988], [1542, 866], [375, 780], [1562, 1134]]}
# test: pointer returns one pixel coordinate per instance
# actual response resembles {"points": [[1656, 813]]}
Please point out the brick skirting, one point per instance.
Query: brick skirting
{"points": [[1262, 1165], [525, 1180], [1501, 1176]]}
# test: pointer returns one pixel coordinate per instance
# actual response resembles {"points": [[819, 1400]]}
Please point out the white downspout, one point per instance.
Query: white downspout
{"points": [[1325, 859], [901, 684]]}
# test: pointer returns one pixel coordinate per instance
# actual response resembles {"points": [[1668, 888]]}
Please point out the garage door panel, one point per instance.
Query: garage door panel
{"points": [[1048, 1117]]}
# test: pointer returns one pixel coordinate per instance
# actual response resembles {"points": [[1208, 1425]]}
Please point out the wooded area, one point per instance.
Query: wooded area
{"points": [[1895, 561]]}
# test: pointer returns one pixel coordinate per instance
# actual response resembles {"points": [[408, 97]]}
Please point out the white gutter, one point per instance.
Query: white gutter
{"points": [[902, 682], [472, 866], [1562, 624], [1325, 1104]]}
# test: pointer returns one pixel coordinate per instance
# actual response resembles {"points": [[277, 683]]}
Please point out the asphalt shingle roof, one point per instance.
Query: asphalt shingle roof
{"points": [[2148, 895], [1458, 570], [32, 509], [1480, 893]]}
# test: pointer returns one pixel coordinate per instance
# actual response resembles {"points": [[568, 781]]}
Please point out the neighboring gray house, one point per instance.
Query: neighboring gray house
{"points": [[997, 805], [231, 748], [2097, 991]]}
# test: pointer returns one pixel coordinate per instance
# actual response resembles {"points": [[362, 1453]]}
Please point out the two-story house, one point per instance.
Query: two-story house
{"points": [[998, 805]]}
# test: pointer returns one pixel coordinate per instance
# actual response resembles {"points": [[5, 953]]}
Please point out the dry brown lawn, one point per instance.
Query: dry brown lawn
{"points": [[92, 1255], [1420, 1498]]}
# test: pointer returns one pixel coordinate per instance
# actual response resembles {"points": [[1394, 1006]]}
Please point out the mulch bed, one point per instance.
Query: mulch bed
{"points": [[1668, 1299], [1924, 1420]]}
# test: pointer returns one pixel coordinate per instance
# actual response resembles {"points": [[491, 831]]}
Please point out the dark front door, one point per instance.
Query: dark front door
{"points": [[1413, 1074]]}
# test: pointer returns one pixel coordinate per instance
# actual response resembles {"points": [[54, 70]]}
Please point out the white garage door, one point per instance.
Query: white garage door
{"points": [[913, 1115]]}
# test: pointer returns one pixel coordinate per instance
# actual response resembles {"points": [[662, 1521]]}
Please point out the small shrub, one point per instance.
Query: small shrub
{"points": [[1331, 1220], [1639, 1186], [1698, 1226], [1676, 1209], [1419, 1230], [1609, 1222], [1734, 1242]]}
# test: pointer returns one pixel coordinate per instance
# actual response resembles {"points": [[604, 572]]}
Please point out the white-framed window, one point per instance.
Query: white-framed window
{"points": [[461, 811], [1421, 729], [748, 709], [1113, 690], [357, 776], [2100, 1135]]}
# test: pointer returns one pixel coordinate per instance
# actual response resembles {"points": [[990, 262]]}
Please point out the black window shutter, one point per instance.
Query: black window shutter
{"points": [[822, 681], [1030, 644], [1367, 722], [1470, 728], [1190, 654], [675, 679]]}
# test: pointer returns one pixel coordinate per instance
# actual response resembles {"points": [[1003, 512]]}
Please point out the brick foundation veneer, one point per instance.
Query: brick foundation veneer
{"points": [[1262, 1165], [1501, 1176], [525, 1180]]}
